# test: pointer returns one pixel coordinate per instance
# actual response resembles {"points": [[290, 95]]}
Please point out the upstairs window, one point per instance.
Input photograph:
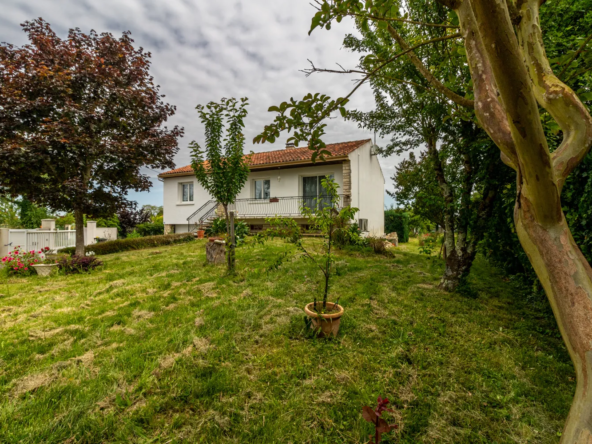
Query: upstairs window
{"points": [[262, 188], [187, 192]]}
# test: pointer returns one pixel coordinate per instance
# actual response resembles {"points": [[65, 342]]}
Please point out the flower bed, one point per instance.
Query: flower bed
{"points": [[21, 263]]}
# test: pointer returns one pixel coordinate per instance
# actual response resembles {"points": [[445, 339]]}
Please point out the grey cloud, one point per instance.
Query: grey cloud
{"points": [[203, 50]]}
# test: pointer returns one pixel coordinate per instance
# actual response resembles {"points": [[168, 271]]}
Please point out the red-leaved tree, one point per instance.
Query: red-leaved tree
{"points": [[79, 118]]}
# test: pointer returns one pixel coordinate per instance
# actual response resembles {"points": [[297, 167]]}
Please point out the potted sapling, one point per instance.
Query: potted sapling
{"points": [[326, 216]]}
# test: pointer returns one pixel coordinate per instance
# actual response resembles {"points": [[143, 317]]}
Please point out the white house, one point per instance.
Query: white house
{"points": [[279, 184]]}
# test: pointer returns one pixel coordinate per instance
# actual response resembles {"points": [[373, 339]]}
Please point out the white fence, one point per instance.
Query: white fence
{"points": [[54, 239], [37, 239]]}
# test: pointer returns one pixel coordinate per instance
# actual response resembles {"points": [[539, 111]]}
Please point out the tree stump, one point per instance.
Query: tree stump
{"points": [[216, 252]]}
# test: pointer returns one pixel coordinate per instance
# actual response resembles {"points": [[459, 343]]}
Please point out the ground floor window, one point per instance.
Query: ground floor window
{"points": [[313, 192]]}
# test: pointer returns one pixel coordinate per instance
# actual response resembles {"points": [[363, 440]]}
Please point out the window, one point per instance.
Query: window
{"points": [[313, 192], [187, 192], [262, 189]]}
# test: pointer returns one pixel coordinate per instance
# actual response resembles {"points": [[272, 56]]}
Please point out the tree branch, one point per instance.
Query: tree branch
{"points": [[385, 19], [488, 108], [426, 72], [555, 96]]}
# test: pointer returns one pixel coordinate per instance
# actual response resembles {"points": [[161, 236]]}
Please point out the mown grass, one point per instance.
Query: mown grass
{"points": [[159, 347]]}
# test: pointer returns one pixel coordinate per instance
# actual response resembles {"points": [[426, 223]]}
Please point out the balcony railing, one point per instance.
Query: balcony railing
{"points": [[262, 208]]}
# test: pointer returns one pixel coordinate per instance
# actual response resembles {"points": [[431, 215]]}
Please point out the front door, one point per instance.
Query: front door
{"points": [[314, 195]]}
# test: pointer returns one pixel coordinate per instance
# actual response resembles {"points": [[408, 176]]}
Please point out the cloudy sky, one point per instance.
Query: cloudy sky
{"points": [[203, 50]]}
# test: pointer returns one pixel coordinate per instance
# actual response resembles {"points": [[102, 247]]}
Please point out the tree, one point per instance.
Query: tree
{"points": [[9, 213], [154, 210], [510, 77], [221, 168], [79, 118], [130, 217], [30, 214]]}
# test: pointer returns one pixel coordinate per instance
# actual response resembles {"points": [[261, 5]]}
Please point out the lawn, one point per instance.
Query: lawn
{"points": [[159, 347]]}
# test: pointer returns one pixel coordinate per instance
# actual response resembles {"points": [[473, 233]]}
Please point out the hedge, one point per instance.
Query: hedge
{"points": [[119, 245], [397, 221]]}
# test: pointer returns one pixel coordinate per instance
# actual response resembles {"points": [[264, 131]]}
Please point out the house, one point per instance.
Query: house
{"points": [[280, 183]]}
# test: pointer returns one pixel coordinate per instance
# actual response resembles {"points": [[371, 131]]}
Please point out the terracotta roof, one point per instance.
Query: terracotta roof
{"points": [[287, 156]]}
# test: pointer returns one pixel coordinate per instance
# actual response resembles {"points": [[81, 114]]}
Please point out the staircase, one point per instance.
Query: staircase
{"points": [[203, 217]]}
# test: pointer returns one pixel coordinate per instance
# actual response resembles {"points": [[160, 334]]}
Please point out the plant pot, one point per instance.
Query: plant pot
{"points": [[200, 234], [274, 199], [45, 269], [326, 324]]}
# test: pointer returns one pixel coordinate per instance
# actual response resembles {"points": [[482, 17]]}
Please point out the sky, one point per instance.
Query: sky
{"points": [[204, 50]]}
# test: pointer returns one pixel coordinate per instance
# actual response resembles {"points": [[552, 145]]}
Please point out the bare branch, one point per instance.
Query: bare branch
{"points": [[426, 72], [413, 22]]}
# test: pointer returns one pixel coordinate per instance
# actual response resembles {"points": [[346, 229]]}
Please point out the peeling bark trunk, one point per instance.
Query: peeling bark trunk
{"points": [[79, 221], [566, 277]]}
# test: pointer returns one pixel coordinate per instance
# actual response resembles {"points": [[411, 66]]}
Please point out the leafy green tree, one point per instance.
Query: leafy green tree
{"points": [[9, 213], [221, 168], [79, 118], [511, 80], [31, 215]]}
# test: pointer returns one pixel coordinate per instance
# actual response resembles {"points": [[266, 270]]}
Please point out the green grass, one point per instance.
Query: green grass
{"points": [[158, 347]]}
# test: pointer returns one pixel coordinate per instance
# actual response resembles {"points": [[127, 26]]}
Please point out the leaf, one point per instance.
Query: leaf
{"points": [[384, 427], [368, 414]]}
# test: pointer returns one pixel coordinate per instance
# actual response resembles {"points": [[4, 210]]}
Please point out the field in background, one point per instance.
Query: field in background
{"points": [[159, 347]]}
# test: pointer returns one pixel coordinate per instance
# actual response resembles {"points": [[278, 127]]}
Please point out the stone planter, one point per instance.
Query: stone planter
{"points": [[326, 324], [45, 269]]}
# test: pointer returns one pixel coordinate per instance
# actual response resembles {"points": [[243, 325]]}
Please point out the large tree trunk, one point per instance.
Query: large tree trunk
{"points": [[566, 277], [541, 226], [79, 221], [458, 267]]}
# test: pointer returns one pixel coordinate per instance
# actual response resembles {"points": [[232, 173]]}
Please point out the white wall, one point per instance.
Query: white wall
{"points": [[368, 188], [283, 183]]}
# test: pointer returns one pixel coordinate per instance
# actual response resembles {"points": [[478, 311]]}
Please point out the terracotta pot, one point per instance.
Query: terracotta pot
{"points": [[45, 269], [200, 234], [326, 324], [274, 199]]}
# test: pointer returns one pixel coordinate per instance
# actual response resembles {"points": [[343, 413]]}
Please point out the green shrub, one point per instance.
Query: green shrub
{"points": [[119, 245], [150, 228], [397, 221], [218, 228]]}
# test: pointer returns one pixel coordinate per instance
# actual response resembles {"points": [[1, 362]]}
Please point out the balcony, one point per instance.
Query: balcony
{"points": [[262, 208]]}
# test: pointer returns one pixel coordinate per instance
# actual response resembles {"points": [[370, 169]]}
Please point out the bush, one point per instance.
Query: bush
{"points": [[397, 221], [218, 227], [349, 236], [150, 229], [119, 245], [21, 263], [78, 264]]}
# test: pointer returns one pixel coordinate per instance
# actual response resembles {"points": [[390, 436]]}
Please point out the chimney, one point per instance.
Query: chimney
{"points": [[290, 145]]}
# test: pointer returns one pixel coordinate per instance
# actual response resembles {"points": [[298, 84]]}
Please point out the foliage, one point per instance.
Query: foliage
{"points": [[154, 210], [87, 118], [221, 168], [66, 219], [374, 416], [21, 263], [140, 243], [130, 217], [150, 229], [428, 243], [30, 214], [78, 264], [284, 227], [218, 227], [349, 235], [397, 336], [109, 222], [9, 213], [378, 245], [325, 216], [397, 221], [133, 235]]}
